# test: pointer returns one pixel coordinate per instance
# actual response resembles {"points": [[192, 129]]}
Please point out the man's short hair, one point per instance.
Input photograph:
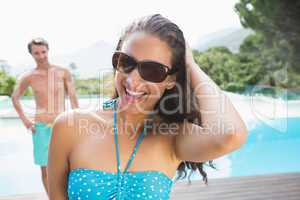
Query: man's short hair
{"points": [[37, 41]]}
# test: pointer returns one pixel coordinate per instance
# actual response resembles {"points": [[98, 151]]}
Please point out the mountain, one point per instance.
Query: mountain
{"points": [[230, 38], [93, 60], [90, 61]]}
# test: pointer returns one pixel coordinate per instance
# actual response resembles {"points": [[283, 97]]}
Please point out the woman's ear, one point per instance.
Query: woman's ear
{"points": [[170, 86], [171, 82]]}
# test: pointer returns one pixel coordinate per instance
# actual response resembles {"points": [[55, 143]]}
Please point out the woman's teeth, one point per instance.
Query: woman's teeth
{"points": [[135, 94]]}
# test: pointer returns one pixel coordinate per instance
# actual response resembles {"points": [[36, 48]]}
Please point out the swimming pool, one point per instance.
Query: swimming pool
{"points": [[273, 146], [267, 150]]}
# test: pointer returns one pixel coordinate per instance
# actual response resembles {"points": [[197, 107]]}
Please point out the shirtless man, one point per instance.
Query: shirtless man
{"points": [[50, 84]]}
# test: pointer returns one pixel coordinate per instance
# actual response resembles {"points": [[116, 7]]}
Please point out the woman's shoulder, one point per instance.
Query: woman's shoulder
{"points": [[75, 124], [75, 119]]}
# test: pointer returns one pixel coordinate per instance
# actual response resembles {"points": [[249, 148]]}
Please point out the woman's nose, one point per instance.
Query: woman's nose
{"points": [[134, 78]]}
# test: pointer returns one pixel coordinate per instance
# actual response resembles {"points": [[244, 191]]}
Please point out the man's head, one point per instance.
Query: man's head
{"points": [[38, 48]]}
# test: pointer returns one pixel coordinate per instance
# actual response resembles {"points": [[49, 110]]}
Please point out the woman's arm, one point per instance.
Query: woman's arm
{"points": [[58, 167], [222, 129]]}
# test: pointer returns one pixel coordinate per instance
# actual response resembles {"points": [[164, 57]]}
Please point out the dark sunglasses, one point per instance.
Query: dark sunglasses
{"points": [[149, 70]]}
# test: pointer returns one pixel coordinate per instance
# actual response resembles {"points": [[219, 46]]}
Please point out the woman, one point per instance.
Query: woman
{"points": [[150, 129]]}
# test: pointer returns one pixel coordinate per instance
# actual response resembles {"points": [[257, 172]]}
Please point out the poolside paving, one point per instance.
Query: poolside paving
{"points": [[284, 186]]}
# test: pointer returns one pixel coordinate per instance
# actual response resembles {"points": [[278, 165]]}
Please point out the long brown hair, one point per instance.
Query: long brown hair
{"points": [[181, 100]]}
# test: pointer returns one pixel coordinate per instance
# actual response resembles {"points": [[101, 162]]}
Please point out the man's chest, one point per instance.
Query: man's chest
{"points": [[47, 83]]}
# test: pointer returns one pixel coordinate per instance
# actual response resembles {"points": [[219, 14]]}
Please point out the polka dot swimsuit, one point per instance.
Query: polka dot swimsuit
{"points": [[95, 184]]}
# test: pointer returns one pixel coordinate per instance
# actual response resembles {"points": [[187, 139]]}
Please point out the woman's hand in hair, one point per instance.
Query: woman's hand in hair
{"points": [[222, 129], [189, 59]]}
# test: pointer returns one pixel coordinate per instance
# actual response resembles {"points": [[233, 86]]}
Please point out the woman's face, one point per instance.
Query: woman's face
{"points": [[136, 94]]}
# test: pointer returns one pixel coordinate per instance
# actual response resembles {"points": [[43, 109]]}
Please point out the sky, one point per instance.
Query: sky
{"points": [[70, 25]]}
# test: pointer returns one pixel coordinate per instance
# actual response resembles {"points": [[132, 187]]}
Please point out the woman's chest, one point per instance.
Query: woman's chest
{"points": [[100, 153]]}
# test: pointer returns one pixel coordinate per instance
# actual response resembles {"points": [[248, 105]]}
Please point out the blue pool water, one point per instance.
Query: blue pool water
{"points": [[269, 149], [272, 147]]}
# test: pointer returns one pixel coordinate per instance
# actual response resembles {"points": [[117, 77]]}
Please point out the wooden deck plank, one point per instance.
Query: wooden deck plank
{"points": [[266, 187], [276, 186]]}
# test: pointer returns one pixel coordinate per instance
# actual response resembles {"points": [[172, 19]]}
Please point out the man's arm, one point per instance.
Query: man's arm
{"points": [[21, 86], [69, 84]]}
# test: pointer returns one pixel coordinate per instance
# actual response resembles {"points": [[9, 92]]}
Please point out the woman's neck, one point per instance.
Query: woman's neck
{"points": [[130, 124]]}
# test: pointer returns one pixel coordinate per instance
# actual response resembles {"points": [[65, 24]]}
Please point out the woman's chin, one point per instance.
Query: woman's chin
{"points": [[133, 105]]}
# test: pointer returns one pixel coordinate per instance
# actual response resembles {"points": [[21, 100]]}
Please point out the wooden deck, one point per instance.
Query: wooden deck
{"points": [[267, 187]]}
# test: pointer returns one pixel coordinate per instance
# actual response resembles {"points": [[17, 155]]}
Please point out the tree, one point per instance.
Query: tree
{"points": [[4, 66], [7, 83], [232, 72], [278, 21], [73, 67]]}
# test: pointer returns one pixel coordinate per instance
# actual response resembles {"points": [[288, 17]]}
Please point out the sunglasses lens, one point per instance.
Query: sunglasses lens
{"points": [[153, 72], [123, 62], [148, 70]]}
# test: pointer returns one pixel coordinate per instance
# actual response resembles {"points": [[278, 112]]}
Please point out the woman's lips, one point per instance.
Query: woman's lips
{"points": [[132, 96]]}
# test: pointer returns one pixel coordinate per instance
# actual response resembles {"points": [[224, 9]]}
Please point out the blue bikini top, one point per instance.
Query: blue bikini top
{"points": [[84, 183]]}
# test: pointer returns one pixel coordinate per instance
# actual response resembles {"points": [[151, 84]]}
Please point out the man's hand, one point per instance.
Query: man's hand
{"points": [[30, 125]]}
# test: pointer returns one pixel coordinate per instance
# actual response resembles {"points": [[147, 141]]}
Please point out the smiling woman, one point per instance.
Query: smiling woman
{"points": [[157, 84]]}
